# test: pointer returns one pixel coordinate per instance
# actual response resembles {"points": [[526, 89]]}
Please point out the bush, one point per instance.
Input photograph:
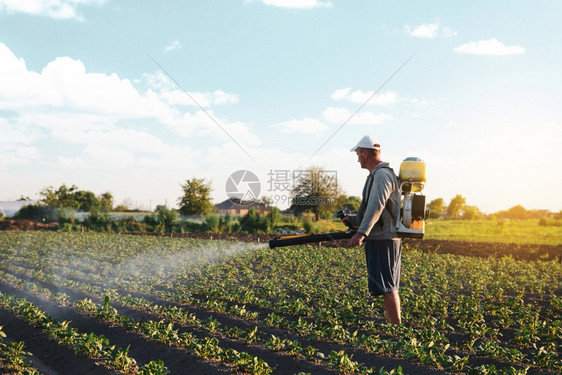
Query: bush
{"points": [[151, 221], [129, 225], [212, 224], [167, 217], [98, 221], [307, 225], [221, 224], [66, 216], [253, 222], [235, 227], [191, 227], [37, 212], [164, 220], [225, 224], [550, 222], [290, 222], [274, 216], [66, 227]]}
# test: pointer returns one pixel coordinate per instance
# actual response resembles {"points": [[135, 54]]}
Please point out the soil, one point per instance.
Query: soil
{"points": [[16, 224]]}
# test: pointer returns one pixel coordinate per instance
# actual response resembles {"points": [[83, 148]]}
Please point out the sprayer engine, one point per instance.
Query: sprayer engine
{"points": [[413, 212]]}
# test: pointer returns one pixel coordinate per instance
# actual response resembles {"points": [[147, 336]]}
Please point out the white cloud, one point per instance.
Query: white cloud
{"points": [[63, 122], [13, 135], [16, 144], [425, 30], [206, 99], [64, 85], [67, 104], [18, 156], [361, 97], [177, 158], [65, 93], [340, 115], [429, 31], [168, 92], [123, 148], [59, 9], [448, 32], [341, 94], [129, 139], [201, 124], [175, 45], [491, 47], [304, 126], [97, 156], [295, 4]]}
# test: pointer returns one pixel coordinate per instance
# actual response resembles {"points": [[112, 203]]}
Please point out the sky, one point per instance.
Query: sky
{"points": [[135, 97]]}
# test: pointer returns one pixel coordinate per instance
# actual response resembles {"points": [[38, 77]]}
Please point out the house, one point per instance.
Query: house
{"points": [[236, 206]]}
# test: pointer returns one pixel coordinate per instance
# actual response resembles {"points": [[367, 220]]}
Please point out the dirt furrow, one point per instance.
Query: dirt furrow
{"points": [[176, 360], [48, 357], [282, 362]]}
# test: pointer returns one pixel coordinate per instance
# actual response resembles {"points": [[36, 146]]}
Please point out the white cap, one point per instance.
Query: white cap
{"points": [[367, 142]]}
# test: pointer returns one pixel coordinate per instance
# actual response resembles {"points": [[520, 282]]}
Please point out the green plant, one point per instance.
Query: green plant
{"points": [[253, 222]]}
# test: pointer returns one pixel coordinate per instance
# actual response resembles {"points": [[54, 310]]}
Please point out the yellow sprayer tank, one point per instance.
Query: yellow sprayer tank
{"points": [[412, 169]]}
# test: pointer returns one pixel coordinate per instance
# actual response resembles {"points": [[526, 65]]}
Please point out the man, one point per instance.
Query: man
{"points": [[376, 223]]}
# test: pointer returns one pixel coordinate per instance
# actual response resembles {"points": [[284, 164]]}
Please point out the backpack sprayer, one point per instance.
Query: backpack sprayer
{"points": [[413, 212], [410, 222]]}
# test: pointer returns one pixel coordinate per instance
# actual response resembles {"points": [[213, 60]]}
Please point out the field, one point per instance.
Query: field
{"points": [[108, 303], [526, 231]]}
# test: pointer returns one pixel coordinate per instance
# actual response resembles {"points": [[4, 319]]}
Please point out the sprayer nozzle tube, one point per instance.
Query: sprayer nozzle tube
{"points": [[280, 242]]}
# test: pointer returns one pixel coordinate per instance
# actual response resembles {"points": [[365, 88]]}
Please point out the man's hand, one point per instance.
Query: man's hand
{"points": [[357, 239]]}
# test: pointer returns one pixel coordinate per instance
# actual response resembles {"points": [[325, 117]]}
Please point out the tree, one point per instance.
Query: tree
{"points": [[106, 202], [516, 212], [436, 208], [455, 207], [350, 203], [196, 199], [86, 201], [316, 190], [471, 213], [62, 197], [70, 198]]}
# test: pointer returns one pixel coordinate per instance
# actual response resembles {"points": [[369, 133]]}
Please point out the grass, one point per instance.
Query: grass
{"points": [[505, 231], [525, 231]]}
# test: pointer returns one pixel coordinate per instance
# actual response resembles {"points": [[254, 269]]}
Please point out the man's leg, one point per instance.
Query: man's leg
{"points": [[392, 307]]}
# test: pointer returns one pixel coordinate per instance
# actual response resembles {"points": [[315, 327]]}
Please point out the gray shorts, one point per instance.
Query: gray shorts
{"points": [[383, 265]]}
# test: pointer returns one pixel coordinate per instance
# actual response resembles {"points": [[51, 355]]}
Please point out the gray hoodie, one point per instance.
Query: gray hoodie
{"points": [[380, 205]]}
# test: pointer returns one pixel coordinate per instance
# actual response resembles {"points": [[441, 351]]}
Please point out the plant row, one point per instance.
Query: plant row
{"points": [[89, 345]]}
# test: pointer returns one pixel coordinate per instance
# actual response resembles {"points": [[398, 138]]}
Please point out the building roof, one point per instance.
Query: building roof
{"points": [[237, 204]]}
